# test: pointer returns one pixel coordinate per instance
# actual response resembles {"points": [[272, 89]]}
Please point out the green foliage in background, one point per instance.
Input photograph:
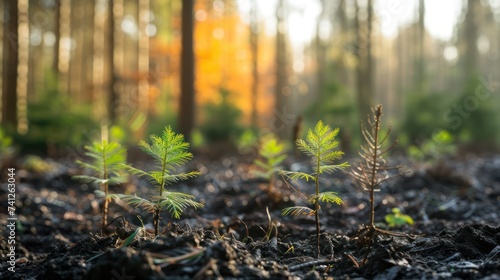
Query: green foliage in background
{"points": [[474, 116], [36, 164], [54, 124], [247, 140], [441, 144], [6, 148], [169, 152], [398, 219], [271, 156], [163, 114], [117, 134], [423, 115], [221, 119], [336, 104], [106, 163]]}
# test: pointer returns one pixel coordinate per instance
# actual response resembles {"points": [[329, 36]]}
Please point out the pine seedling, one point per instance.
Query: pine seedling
{"points": [[319, 146], [271, 156], [169, 152], [371, 171], [107, 159]]}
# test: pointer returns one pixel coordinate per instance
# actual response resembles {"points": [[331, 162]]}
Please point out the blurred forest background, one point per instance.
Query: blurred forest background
{"points": [[229, 70]]}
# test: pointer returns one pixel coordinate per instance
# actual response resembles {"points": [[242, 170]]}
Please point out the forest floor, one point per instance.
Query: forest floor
{"points": [[455, 205]]}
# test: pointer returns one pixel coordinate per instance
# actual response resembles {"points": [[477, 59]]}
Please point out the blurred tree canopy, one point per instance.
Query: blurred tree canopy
{"points": [[219, 66]]}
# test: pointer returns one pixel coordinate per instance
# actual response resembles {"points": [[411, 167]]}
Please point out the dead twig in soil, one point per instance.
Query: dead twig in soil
{"points": [[201, 273], [366, 235], [312, 263], [247, 237], [353, 260]]}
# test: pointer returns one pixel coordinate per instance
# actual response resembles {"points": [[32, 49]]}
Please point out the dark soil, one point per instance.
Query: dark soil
{"points": [[455, 205]]}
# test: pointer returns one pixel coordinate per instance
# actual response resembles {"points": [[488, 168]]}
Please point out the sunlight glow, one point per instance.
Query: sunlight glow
{"points": [[390, 15], [441, 16], [450, 53]]}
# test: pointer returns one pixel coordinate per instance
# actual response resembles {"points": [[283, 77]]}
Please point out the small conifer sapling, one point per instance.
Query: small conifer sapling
{"points": [[319, 146], [169, 153], [372, 171], [271, 156], [107, 159]]}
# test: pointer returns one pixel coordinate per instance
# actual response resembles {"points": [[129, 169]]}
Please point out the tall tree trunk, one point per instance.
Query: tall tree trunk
{"points": [[98, 60], [369, 85], [57, 35], [2, 56], [118, 57], [143, 58], [187, 99], [10, 61], [399, 98], [64, 50], [342, 71], [79, 21], [254, 47], [87, 52], [420, 63], [364, 80], [74, 84], [320, 51], [112, 94], [470, 62], [23, 66], [280, 121]]}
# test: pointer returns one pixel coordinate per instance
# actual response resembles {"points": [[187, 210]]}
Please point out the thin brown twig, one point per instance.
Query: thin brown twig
{"points": [[353, 260]]}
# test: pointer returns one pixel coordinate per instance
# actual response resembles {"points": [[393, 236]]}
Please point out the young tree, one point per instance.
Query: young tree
{"points": [[106, 162], [320, 146], [169, 152]]}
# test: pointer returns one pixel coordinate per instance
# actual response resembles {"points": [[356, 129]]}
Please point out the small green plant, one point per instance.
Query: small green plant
{"points": [[48, 131], [169, 152], [106, 162], [221, 119], [6, 148], [271, 156], [247, 141], [430, 150], [319, 146], [398, 219]]}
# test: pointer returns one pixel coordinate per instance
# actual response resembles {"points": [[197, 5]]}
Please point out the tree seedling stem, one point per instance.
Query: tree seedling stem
{"points": [[169, 152], [107, 159], [319, 145]]}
